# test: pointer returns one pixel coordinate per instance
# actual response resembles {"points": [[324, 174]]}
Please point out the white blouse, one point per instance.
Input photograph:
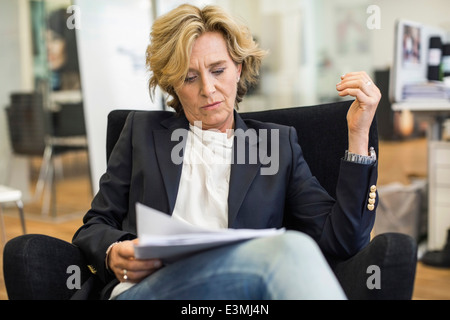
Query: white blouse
{"points": [[202, 198]]}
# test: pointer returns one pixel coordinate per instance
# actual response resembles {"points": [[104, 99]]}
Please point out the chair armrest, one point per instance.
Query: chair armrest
{"points": [[396, 256], [36, 268]]}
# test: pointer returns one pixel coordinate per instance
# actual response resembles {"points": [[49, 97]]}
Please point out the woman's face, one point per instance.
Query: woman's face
{"points": [[209, 90], [56, 50]]}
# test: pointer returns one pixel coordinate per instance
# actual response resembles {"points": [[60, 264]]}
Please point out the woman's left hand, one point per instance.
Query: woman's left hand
{"points": [[361, 113]]}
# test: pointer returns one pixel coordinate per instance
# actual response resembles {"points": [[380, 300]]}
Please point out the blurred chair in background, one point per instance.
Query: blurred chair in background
{"points": [[8, 194], [37, 131]]}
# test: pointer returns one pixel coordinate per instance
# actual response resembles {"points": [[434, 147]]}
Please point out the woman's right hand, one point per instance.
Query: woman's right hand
{"points": [[126, 267]]}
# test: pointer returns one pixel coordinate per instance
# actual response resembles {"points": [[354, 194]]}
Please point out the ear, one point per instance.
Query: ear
{"points": [[239, 71]]}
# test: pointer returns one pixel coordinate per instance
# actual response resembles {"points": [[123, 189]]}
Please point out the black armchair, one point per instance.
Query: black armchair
{"points": [[322, 132]]}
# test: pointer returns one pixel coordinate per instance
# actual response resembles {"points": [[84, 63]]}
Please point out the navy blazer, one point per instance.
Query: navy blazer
{"points": [[141, 169]]}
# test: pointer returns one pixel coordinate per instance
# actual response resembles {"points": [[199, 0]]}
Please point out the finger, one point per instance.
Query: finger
{"points": [[365, 86], [353, 75], [142, 265], [133, 276], [359, 80], [136, 270], [357, 93]]}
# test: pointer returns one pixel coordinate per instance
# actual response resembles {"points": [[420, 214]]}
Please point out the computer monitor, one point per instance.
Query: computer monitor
{"points": [[410, 64]]}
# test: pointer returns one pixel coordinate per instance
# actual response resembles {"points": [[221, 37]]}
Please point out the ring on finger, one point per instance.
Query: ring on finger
{"points": [[369, 83], [125, 277]]}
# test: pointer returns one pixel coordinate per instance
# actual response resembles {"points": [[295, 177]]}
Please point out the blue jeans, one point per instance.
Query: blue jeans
{"points": [[284, 267]]}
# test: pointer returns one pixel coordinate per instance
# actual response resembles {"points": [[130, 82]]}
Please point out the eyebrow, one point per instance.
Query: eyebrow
{"points": [[212, 65]]}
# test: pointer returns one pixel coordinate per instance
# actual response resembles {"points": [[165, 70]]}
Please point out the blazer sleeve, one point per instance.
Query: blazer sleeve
{"points": [[103, 222], [341, 226]]}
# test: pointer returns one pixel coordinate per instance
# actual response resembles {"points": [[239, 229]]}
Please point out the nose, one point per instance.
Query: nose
{"points": [[208, 87]]}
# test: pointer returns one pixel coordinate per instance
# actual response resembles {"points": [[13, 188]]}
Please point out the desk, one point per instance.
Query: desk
{"points": [[435, 113]]}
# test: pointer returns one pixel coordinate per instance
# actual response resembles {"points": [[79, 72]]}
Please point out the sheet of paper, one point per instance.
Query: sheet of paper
{"points": [[169, 239]]}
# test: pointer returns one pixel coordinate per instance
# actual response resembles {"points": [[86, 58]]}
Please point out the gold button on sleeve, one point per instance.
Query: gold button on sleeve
{"points": [[92, 269]]}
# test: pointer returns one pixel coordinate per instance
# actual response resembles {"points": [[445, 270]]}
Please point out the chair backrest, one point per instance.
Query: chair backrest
{"points": [[27, 123], [69, 120], [321, 129]]}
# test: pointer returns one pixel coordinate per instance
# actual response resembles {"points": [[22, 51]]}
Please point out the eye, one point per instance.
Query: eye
{"points": [[190, 79], [218, 71]]}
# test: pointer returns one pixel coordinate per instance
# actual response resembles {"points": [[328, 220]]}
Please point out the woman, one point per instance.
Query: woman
{"points": [[205, 61]]}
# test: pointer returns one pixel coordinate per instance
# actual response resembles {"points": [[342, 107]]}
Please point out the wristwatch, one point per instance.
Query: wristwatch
{"points": [[353, 157]]}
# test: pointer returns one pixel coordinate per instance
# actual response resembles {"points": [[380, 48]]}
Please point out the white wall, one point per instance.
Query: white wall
{"points": [[16, 75], [112, 41]]}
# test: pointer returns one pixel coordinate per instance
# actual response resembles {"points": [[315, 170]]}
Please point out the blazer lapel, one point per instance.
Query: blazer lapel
{"points": [[242, 172], [170, 144]]}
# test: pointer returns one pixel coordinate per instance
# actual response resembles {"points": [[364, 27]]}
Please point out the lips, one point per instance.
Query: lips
{"points": [[212, 105]]}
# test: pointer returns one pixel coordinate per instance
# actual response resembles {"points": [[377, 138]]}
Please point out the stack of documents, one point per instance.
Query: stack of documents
{"points": [[426, 91], [168, 239]]}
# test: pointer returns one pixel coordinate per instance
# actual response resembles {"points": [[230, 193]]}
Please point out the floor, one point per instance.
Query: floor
{"points": [[400, 161]]}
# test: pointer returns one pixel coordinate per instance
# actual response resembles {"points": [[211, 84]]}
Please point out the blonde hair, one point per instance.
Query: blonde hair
{"points": [[173, 36]]}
